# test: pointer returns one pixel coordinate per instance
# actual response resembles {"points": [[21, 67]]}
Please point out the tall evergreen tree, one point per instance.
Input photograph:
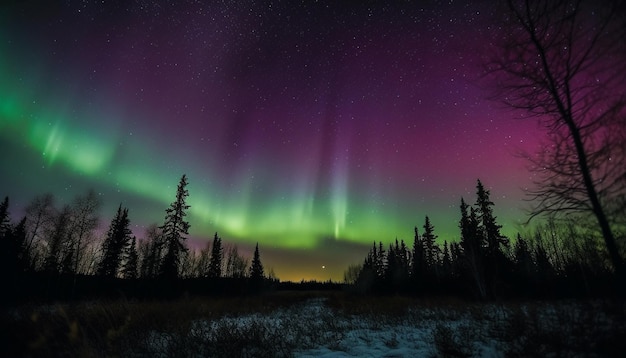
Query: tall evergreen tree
{"points": [[471, 242], [490, 229], [217, 257], [256, 268], [118, 237], [419, 263], [431, 250], [174, 229], [495, 261]]}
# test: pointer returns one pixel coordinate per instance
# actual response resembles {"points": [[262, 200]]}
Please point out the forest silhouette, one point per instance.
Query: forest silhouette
{"points": [[51, 254]]}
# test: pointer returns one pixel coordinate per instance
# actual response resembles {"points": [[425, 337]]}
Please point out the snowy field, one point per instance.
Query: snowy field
{"points": [[316, 325], [312, 329]]}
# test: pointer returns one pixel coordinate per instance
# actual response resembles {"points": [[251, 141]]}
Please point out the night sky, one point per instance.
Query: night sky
{"points": [[313, 128]]}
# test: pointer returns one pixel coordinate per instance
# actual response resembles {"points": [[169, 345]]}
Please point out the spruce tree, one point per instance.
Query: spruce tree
{"points": [[431, 250], [418, 264], [490, 229], [115, 242], [217, 254], [493, 241], [256, 268], [471, 242], [174, 229]]}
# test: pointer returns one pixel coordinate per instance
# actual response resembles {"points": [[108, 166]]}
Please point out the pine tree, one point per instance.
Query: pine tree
{"points": [[174, 229], [217, 255], [256, 268], [471, 242], [490, 229], [418, 265], [431, 250], [118, 237], [495, 260]]}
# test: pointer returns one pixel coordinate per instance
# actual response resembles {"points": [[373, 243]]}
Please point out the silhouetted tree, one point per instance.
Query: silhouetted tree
{"points": [[236, 265], [568, 69], [215, 262], [492, 240], [131, 260], [471, 242], [351, 275], [419, 265], [490, 230], [40, 215], [151, 252], [431, 250], [115, 243], [256, 268], [174, 229], [57, 239], [12, 248], [83, 221]]}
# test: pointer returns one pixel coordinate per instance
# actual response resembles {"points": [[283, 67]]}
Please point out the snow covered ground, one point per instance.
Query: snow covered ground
{"points": [[333, 325], [312, 329]]}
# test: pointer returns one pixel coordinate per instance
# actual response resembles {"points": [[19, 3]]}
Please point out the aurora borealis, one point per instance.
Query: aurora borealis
{"points": [[314, 128]]}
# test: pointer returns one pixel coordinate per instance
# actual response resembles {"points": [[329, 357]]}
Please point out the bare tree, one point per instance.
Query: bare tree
{"points": [[564, 62], [83, 222], [39, 218], [236, 265]]}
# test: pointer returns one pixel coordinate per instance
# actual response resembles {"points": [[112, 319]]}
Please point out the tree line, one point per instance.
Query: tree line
{"points": [[60, 243], [557, 259], [55, 249]]}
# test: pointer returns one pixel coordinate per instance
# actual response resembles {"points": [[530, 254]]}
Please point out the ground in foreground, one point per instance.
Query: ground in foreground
{"points": [[307, 324]]}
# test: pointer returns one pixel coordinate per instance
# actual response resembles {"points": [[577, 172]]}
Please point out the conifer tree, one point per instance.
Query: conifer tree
{"points": [[471, 242], [174, 229], [490, 229], [256, 268], [431, 250], [494, 258], [118, 237], [418, 265], [217, 254]]}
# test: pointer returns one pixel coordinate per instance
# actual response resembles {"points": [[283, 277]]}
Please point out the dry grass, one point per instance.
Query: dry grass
{"points": [[278, 324]]}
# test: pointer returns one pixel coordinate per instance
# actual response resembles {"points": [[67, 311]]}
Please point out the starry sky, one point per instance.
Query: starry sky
{"points": [[312, 127]]}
